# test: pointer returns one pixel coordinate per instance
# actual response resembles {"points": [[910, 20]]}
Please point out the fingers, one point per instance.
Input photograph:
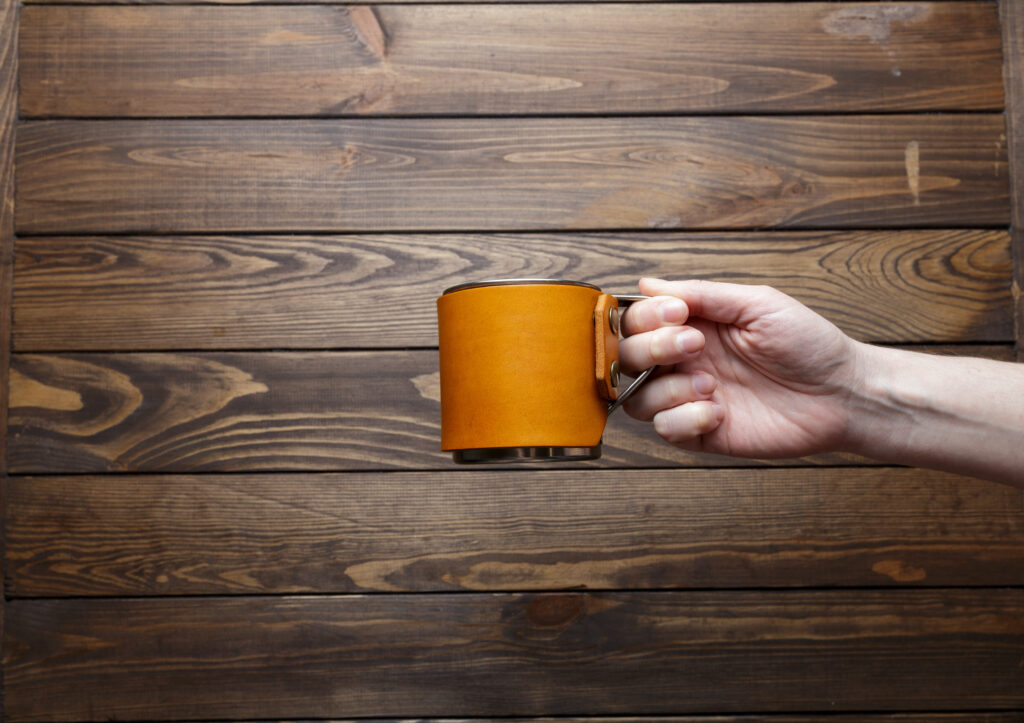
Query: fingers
{"points": [[667, 391], [655, 335], [679, 404], [688, 421], [651, 314], [661, 347], [737, 304]]}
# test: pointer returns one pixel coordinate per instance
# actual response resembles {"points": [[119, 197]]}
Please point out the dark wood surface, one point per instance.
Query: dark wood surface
{"points": [[511, 174], [457, 654], [1012, 16], [8, 120], [162, 412], [250, 292], [502, 59], [164, 535], [224, 497]]}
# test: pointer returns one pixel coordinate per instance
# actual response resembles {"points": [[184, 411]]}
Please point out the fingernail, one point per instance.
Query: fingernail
{"points": [[717, 413], [672, 311], [704, 384], [689, 341]]}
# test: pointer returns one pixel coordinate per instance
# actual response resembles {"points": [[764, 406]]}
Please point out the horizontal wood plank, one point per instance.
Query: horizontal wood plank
{"points": [[165, 412], [1011, 16], [9, 11], [514, 654], [511, 174], [257, 3], [972, 717], [403, 532], [308, 292], [244, 411], [503, 59]]}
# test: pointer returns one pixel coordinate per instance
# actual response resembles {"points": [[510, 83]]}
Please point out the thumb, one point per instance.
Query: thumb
{"points": [[736, 304]]}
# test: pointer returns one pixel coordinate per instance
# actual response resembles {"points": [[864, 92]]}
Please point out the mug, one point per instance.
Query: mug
{"points": [[529, 369]]}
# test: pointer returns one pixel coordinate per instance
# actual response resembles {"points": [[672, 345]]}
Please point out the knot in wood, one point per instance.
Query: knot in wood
{"points": [[554, 610]]}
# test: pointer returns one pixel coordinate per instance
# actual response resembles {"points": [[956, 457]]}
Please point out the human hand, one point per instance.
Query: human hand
{"points": [[746, 370]]}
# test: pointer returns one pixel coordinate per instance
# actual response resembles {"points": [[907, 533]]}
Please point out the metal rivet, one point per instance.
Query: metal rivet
{"points": [[613, 373], [613, 319]]}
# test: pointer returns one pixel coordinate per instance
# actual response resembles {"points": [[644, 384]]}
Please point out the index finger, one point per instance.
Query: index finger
{"points": [[737, 304], [654, 313]]}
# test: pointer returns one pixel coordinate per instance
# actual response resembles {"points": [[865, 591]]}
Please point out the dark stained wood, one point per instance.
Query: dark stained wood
{"points": [[583, 3], [506, 59], [972, 717], [8, 121], [308, 292], [1012, 20], [403, 532], [165, 412], [247, 411], [511, 174], [186, 233], [515, 654]]}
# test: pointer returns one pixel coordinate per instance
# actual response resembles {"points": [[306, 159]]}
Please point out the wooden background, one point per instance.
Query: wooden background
{"points": [[224, 227]]}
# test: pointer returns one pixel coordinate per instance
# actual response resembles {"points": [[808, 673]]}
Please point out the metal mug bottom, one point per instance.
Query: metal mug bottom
{"points": [[505, 455]]}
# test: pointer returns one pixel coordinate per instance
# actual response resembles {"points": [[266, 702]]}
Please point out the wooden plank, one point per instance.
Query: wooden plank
{"points": [[972, 717], [503, 59], [583, 3], [1012, 21], [515, 654], [511, 174], [308, 292], [245, 534], [165, 412], [244, 411], [8, 120]]}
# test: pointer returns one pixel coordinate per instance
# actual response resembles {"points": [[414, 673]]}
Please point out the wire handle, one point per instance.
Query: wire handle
{"points": [[627, 300]]}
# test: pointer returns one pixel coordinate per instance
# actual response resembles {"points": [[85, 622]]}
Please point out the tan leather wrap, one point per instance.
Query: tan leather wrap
{"points": [[606, 345], [518, 367]]}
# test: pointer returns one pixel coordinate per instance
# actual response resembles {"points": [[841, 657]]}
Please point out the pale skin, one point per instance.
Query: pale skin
{"points": [[750, 372]]}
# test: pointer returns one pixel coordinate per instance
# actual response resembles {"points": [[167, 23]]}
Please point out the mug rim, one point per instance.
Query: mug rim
{"points": [[517, 282]]}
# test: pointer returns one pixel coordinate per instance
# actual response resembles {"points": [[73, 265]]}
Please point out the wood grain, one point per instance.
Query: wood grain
{"points": [[511, 174], [246, 411], [165, 412], [524, 530], [972, 717], [257, 3], [1012, 22], [8, 120], [308, 292], [506, 59], [515, 654]]}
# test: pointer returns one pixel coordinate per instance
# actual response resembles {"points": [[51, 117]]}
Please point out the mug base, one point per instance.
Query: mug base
{"points": [[505, 455]]}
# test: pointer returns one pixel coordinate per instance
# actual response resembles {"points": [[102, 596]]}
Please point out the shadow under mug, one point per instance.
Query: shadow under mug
{"points": [[529, 369]]}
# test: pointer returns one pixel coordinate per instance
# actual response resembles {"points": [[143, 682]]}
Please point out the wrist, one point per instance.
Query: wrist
{"points": [[882, 404]]}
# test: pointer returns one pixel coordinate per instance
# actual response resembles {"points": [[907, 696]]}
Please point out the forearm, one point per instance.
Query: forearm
{"points": [[958, 414]]}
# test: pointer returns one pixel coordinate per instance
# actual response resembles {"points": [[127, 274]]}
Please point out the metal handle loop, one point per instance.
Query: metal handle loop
{"points": [[628, 299]]}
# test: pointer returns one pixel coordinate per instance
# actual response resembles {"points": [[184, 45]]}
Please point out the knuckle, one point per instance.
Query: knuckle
{"points": [[674, 390], [661, 345], [654, 348]]}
